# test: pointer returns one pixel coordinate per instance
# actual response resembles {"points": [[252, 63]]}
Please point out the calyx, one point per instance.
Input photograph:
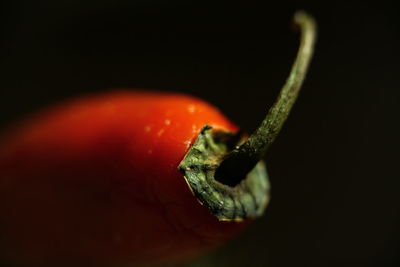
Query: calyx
{"points": [[247, 199]]}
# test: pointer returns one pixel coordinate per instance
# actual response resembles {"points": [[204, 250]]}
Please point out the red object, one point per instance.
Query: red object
{"points": [[95, 181]]}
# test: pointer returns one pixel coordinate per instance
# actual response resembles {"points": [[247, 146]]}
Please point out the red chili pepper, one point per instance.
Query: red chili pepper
{"points": [[133, 177]]}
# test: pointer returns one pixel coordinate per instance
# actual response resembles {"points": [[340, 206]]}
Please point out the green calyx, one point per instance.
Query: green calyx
{"points": [[248, 199], [228, 176]]}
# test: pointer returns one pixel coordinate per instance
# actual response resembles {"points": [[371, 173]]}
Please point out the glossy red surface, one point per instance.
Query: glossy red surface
{"points": [[95, 181]]}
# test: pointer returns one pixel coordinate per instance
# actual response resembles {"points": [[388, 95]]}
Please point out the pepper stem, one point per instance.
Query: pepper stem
{"points": [[245, 157]]}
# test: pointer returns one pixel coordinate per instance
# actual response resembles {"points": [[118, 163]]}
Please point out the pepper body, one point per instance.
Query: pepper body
{"points": [[95, 181]]}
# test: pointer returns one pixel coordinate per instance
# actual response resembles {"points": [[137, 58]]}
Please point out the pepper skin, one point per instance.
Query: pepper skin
{"points": [[95, 181]]}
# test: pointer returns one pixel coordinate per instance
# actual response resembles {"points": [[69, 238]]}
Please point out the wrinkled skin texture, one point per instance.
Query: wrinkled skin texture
{"points": [[95, 181]]}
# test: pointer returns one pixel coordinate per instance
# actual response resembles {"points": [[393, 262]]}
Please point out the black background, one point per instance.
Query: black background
{"points": [[334, 168]]}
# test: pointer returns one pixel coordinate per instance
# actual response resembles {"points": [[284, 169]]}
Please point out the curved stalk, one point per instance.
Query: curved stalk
{"points": [[244, 158]]}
